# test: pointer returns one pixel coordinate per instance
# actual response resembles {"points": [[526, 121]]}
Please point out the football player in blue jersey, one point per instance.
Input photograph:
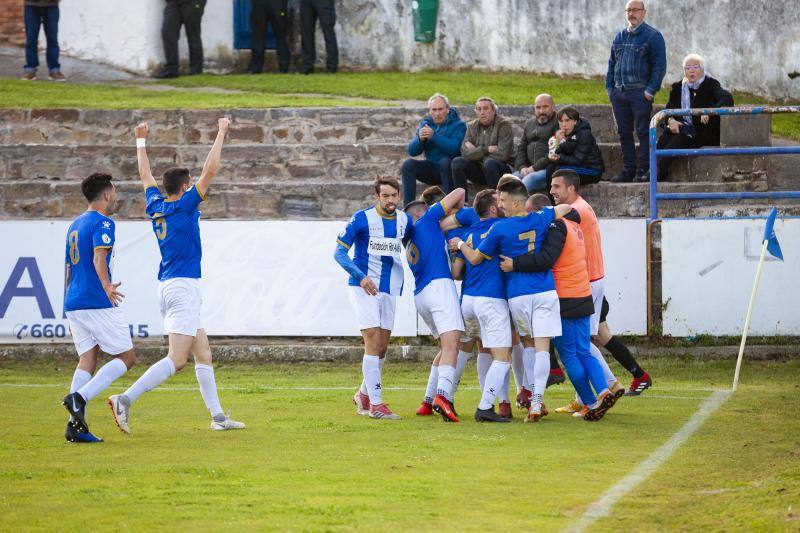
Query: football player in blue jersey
{"points": [[435, 293], [376, 280], [91, 301], [176, 223], [531, 297]]}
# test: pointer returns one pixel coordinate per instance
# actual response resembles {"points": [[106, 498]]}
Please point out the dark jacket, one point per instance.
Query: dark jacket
{"points": [[446, 140], [498, 133], [579, 148], [532, 148], [544, 259], [41, 3], [709, 94], [638, 60]]}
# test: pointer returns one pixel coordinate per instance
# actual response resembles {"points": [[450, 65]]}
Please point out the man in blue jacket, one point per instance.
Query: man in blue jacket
{"points": [[636, 67], [439, 136]]}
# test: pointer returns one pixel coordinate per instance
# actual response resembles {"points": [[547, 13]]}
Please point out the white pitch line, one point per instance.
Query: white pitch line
{"points": [[602, 507]]}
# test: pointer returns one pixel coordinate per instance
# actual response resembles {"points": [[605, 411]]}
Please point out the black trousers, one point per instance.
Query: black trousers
{"points": [[310, 11], [188, 13], [669, 140], [274, 12], [486, 173]]}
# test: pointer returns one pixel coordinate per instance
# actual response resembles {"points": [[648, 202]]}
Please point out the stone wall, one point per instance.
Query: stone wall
{"points": [[12, 27]]}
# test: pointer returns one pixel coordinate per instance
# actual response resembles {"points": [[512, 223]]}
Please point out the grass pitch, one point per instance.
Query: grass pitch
{"points": [[308, 462]]}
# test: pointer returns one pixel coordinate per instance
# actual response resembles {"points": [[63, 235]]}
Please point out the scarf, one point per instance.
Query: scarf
{"points": [[686, 101]]}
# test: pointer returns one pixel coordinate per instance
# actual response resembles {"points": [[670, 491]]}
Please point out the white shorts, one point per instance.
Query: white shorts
{"points": [[106, 328], [598, 293], [536, 315], [373, 311], [492, 317], [472, 327], [438, 306], [180, 301]]}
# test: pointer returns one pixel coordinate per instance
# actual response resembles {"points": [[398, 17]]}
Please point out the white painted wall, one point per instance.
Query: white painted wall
{"points": [[708, 268]]}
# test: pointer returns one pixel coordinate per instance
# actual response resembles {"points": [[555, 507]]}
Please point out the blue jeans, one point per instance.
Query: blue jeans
{"points": [[35, 17], [632, 109], [414, 170], [535, 181], [582, 369]]}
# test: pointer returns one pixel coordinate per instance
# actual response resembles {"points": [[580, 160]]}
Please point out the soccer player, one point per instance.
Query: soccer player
{"points": [[484, 302], [565, 190], [176, 224], [564, 252], [531, 297], [435, 293], [91, 301], [376, 279]]}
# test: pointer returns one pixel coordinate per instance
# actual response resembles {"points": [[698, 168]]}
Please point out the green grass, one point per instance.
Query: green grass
{"points": [[307, 462]]}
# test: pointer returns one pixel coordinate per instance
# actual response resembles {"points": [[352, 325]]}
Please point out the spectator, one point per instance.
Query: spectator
{"points": [[531, 162], [697, 89], [274, 12], [439, 136], [636, 68], [188, 13], [40, 13], [575, 148], [487, 150], [325, 11]]}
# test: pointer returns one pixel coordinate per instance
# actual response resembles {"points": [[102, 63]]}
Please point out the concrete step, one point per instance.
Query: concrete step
{"points": [[329, 199], [270, 162]]}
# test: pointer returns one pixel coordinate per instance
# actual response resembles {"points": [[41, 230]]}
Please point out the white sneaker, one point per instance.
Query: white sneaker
{"points": [[228, 423], [120, 413]]}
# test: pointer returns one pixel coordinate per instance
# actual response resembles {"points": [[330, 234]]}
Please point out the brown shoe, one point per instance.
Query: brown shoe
{"points": [[57, 76], [29, 75]]}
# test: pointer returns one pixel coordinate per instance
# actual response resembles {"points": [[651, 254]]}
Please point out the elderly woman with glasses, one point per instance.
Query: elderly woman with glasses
{"points": [[697, 89]]}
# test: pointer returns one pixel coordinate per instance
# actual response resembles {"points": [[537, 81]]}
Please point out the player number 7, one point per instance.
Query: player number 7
{"points": [[529, 236]]}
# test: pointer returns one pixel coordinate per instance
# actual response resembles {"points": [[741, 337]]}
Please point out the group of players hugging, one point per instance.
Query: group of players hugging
{"points": [[531, 272]]}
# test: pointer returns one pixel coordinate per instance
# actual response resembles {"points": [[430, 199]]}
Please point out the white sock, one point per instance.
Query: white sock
{"points": [[371, 367], [494, 381], [541, 372], [518, 366], [208, 388], [607, 373], [483, 364], [461, 364], [79, 379], [157, 374], [529, 360], [444, 386], [502, 394], [104, 377], [433, 378], [363, 387]]}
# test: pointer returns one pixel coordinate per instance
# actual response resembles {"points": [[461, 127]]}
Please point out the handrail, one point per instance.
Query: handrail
{"points": [[655, 153]]}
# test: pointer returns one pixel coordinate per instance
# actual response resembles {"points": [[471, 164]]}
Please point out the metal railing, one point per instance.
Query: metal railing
{"points": [[655, 153]]}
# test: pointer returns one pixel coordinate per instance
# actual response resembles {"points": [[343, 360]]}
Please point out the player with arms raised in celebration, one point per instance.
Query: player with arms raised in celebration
{"points": [[376, 279], [176, 223], [91, 304]]}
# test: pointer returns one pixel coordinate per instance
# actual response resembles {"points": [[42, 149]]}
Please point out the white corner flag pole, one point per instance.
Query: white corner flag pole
{"points": [[749, 313]]}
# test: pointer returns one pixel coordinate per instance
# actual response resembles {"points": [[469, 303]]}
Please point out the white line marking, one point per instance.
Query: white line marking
{"points": [[602, 507]]}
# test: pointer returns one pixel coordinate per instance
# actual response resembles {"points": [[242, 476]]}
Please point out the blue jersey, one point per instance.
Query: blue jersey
{"points": [[378, 247], [89, 231], [517, 236], [426, 251], [466, 217], [485, 279], [177, 228]]}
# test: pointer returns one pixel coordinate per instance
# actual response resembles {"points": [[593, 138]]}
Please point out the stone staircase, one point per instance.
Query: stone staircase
{"points": [[293, 163]]}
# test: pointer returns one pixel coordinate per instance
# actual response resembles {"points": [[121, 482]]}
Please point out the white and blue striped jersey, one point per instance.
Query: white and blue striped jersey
{"points": [[378, 246]]}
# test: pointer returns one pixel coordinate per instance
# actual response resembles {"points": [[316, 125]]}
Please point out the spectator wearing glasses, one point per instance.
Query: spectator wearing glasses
{"points": [[636, 68], [696, 90]]}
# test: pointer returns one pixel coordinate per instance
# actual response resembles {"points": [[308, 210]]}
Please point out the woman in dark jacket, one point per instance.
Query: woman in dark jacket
{"points": [[576, 148], [695, 90]]}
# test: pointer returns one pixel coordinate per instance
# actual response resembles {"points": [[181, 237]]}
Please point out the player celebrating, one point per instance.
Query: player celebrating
{"points": [[435, 293], [91, 302], [176, 223], [532, 297], [376, 279]]}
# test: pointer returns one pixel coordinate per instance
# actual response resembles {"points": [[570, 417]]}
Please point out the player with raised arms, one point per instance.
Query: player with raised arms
{"points": [[376, 280], [176, 224]]}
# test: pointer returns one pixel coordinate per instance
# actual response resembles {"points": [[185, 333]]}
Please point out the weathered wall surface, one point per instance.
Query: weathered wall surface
{"points": [[749, 46]]}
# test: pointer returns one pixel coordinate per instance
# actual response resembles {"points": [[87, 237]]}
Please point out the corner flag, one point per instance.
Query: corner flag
{"points": [[773, 247]]}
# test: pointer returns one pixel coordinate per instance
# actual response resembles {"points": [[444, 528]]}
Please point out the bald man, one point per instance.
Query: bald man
{"points": [[531, 161]]}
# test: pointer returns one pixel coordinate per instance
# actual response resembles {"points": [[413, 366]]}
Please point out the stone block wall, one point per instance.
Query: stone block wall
{"points": [[12, 27]]}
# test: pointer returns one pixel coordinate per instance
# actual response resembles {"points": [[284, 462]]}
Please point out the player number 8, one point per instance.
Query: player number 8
{"points": [[74, 253]]}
